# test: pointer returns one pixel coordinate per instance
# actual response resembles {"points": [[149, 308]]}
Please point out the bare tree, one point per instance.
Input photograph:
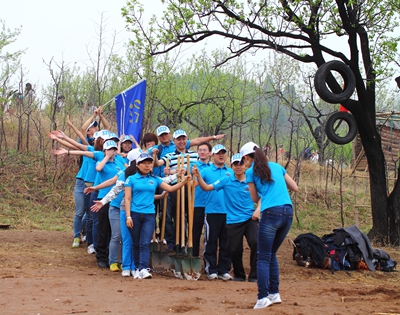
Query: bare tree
{"points": [[299, 30]]}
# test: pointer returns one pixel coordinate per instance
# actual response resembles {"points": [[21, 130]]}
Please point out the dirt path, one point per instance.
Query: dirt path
{"points": [[41, 274]]}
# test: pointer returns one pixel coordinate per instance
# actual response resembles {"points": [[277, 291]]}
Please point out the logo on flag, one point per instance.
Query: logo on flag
{"points": [[130, 110]]}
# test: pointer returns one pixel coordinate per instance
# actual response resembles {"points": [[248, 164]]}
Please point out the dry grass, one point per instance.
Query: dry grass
{"points": [[37, 190]]}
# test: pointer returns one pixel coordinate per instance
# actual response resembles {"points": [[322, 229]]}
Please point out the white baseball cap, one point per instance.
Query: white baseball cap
{"points": [[133, 154], [103, 134], [144, 156], [179, 133], [93, 124], [109, 145], [162, 129], [248, 148], [218, 148], [113, 136], [126, 138], [236, 158]]}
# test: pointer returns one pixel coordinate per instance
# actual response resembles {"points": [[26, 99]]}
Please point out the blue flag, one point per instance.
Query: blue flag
{"points": [[130, 110]]}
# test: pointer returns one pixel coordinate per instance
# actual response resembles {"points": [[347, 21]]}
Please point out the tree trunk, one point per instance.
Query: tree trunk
{"points": [[393, 210], [371, 142]]}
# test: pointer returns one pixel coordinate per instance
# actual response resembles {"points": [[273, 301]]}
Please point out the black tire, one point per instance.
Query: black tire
{"points": [[330, 128], [320, 82]]}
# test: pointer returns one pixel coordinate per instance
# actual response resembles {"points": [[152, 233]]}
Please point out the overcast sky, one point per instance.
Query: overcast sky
{"points": [[60, 29], [66, 30]]}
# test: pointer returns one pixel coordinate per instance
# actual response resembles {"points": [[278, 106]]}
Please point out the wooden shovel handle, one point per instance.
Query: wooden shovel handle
{"points": [[164, 213], [182, 206], [177, 216], [190, 214]]}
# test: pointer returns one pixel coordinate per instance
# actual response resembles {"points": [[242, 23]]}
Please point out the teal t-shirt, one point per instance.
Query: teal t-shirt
{"points": [[239, 205], [215, 203], [143, 190], [272, 194], [201, 195]]}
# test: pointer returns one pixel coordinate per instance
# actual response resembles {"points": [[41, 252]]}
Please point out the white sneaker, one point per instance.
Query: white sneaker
{"points": [[262, 303], [275, 298], [212, 276], [145, 274], [225, 277], [126, 273], [135, 274], [91, 249], [76, 242]]}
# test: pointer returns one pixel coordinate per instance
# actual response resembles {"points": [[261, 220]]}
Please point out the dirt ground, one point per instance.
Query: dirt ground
{"points": [[41, 274]]}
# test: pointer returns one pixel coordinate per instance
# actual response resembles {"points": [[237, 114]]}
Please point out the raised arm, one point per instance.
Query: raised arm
{"points": [[61, 141], [134, 141], [76, 144], [107, 156], [78, 133], [104, 121], [89, 121], [62, 151], [157, 162], [197, 141]]}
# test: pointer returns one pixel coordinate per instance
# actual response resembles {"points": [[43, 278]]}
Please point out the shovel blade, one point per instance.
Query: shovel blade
{"points": [[178, 268], [195, 263], [175, 262], [191, 266], [186, 268], [163, 263], [155, 260]]}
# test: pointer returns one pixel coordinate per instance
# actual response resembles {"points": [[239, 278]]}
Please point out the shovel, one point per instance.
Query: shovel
{"points": [[176, 268], [191, 266], [154, 251], [163, 258], [184, 258]]}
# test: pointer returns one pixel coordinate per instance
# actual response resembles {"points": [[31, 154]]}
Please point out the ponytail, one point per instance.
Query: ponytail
{"points": [[131, 169], [260, 167]]}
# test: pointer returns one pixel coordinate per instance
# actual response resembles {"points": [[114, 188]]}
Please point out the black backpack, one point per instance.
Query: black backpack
{"points": [[309, 251]]}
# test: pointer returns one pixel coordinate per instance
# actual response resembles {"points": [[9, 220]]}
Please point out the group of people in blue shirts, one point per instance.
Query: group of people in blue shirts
{"points": [[121, 187]]}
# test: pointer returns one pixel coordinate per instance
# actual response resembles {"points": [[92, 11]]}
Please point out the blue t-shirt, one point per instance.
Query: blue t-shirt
{"points": [[200, 194], [215, 203], [239, 205], [90, 166], [143, 190], [157, 169], [116, 202], [109, 170], [272, 194]]}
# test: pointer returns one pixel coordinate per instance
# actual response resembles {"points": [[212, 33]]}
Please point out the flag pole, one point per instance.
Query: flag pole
{"points": [[124, 91]]}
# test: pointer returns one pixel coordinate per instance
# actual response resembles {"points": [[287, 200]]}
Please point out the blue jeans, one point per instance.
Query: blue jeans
{"points": [[142, 233], [93, 219], [127, 246], [115, 240], [81, 206], [274, 225]]}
